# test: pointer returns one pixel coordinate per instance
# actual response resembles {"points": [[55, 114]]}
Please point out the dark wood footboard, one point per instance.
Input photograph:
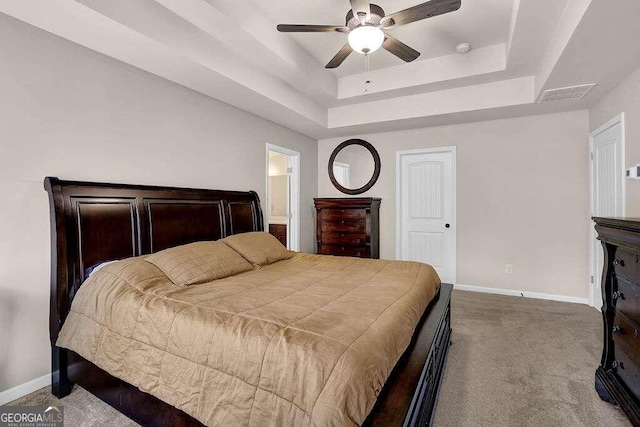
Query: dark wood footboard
{"points": [[410, 395]]}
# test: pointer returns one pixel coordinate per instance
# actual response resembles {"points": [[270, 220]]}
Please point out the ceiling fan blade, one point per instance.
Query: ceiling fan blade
{"points": [[422, 11], [399, 49], [300, 28], [340, 57], [359, 7]]}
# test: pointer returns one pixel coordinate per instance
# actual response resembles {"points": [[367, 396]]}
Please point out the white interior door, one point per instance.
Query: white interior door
{"points": [[426, 209], [607, 191]]}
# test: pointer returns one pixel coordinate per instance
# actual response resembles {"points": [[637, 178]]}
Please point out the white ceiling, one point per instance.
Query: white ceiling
{"points": [[230, 50]]}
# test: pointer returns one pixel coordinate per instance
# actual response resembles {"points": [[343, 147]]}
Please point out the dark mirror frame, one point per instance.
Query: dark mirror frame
{"points": [[376, 171]]}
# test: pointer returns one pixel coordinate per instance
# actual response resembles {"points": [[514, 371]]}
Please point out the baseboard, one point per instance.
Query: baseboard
{"points": [[23, 389], [525, 294]]}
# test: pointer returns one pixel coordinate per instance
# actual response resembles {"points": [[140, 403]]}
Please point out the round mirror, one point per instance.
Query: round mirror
{"points": [[354, 166]]}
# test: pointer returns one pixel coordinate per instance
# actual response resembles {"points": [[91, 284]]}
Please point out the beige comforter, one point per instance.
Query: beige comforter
{"points": [[306, 341]]}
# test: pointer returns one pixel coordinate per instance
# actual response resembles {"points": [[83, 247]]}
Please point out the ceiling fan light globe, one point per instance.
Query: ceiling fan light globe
{"points": [[366, 39]]}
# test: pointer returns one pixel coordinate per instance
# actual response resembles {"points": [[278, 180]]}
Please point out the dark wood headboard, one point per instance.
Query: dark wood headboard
{"points": [[96, 222]]}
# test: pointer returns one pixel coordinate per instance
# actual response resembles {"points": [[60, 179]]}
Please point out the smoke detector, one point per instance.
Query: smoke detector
{"points": [[565, 93], [463, 48]]}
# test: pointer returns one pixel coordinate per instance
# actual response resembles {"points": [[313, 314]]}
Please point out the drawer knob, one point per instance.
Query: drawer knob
{"points": [[616, 328], [616, 364], [619, 262], [342, 210], [342, 222], [342, 248], [341, 234], [358, 241], [358, 254], [617, 294]]}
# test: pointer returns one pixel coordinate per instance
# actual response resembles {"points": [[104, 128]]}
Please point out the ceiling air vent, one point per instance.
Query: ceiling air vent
{"points": [[564, 93]]}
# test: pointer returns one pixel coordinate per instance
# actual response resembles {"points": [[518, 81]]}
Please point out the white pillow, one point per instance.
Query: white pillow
{"points": [[99, 266]]}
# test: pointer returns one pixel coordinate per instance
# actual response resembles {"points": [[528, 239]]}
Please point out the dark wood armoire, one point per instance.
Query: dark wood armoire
{"points": [[618, 376]]}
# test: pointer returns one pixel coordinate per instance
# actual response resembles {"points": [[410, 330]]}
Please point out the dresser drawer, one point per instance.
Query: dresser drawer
{"points": [[344, 225], [339, 238], [343, 213], [626, 264], [362, 252], [626, 335], [626, 370], [626, 298]]}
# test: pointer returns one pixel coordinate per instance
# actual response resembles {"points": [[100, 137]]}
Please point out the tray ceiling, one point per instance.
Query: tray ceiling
{"points": [[230, 50]]}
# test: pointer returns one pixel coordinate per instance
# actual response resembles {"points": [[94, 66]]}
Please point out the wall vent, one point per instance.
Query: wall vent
{"points": [[564, 93]]}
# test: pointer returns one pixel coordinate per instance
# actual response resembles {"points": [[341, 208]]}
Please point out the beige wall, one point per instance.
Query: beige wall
{"points": [[277, 184], [625, 98], [522, 198], [278, 195], [277, 163], [72, 113]]}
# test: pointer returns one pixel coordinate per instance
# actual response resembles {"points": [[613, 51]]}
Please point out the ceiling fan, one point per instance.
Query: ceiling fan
{"points": [[365, 25]]}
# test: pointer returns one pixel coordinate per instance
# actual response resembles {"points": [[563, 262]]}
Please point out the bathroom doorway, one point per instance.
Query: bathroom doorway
{"points": [[282, 201]]}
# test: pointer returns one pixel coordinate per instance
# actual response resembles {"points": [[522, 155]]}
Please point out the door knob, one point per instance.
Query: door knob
{"points": [[447, 225]]}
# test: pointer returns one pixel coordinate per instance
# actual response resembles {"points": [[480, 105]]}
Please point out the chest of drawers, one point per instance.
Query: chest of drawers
{"points": [[348, 226], [618, 376]]}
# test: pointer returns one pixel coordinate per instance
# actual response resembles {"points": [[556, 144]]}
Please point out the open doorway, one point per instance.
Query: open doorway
{"points": [[282, 202]]}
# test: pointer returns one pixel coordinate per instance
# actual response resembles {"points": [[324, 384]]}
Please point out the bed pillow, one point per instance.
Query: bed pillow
{"points": [[92, 270], [199, 262], [259, 248]]}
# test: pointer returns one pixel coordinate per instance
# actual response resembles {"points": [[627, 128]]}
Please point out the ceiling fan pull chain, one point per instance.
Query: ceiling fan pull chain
{"points": [[367, 81]]}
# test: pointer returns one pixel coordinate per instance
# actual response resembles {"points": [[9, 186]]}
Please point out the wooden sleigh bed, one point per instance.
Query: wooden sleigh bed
{"points": [[93, 223]]}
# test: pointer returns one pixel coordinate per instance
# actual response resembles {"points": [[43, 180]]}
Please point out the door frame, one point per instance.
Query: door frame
{"points": [[293, 223], [454, 221], [596, 276]]}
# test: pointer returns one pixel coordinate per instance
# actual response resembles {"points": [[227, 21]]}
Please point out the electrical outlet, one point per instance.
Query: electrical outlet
{"points": [[508, 268]]}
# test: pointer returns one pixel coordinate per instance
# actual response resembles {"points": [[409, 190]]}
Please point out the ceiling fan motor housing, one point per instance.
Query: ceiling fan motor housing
{"points": [[375, 17]]}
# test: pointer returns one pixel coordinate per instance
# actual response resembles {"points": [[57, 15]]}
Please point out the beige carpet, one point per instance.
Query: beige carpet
{"points": [[523, 362], [513, 362]]}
